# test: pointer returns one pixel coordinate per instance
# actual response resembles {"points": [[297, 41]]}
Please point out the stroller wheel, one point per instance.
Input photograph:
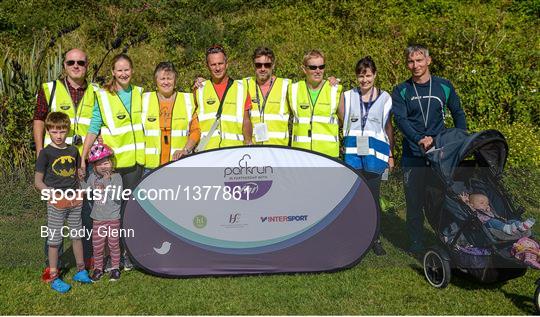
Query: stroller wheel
{"points": [[437, 267], [537, 298]]}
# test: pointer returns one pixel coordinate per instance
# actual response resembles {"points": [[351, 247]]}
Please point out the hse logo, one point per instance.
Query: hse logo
{"points": [[234, 218], [254, 181], [284, 218]]}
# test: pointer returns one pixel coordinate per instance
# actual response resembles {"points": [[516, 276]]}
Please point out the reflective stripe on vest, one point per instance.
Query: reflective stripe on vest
{"points": [[379, 147], [276, 111], [180, 120], [315, 127], [61, 102], [229, 131], [123, 130]]}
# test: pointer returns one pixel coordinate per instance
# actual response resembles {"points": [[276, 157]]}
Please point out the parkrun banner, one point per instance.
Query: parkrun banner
{"points": [[250, 210]]}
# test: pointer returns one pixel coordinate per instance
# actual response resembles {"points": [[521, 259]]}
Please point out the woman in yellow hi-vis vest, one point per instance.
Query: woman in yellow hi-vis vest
{"points": [[314, 103], [117, 117], [171, 128]]}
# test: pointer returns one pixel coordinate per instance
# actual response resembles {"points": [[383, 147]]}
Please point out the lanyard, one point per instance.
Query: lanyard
{"points": [[77, 108], [222, 101], [265, 98], [424, 116], [370, 103]]}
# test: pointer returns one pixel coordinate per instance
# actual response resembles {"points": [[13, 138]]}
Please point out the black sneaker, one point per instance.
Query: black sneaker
{"points": [[97, 275], [114, 275], [378, 248]]}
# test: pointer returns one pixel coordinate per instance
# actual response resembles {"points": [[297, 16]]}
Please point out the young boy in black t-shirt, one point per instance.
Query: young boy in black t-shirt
{"points": [[56, 173]]}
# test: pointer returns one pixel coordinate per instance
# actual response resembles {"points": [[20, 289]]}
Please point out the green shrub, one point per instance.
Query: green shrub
{"points": [[524, 144]]}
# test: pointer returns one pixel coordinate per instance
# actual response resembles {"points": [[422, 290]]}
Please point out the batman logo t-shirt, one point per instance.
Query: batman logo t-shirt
{"points": [[59, 166]]}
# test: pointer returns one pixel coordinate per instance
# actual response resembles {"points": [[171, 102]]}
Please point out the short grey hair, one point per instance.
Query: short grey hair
{"points": [[416, 48], [165, 66]]}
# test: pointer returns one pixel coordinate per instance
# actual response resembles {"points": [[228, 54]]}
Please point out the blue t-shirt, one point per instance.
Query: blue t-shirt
{"points": [[416, 122], [97, 121]]}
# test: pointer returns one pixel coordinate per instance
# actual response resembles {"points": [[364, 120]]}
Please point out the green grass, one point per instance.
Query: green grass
{"points": [[393, 284]]}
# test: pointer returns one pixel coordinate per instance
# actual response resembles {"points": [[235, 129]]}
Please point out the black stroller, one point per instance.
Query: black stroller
{"points": [[460, 161]]}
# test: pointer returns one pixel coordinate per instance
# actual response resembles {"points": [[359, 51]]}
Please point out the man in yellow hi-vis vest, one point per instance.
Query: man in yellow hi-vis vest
{"points": [[223, 106], [71, 95], [269, 105], [314, 104]]}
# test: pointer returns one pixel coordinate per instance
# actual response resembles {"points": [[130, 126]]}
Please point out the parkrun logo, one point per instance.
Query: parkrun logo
{"points": [[254, 181], [284, 218], [244, 170]]}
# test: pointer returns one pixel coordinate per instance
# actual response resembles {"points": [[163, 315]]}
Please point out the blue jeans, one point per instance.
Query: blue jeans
{"points": [[497, 224], [415, 173]]}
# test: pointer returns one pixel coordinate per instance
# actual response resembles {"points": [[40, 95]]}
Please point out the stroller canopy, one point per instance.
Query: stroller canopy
{"points": [[452, 146]]}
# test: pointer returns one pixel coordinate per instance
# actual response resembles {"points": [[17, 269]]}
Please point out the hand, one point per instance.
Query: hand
{"points": [[100, 139], [333, 81], [465, 197], [198, 83], [391, 164], [179, 153], [107, 174], [82, 171], [426, 143]]}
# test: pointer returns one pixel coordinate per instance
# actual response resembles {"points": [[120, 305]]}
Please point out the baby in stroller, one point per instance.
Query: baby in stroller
{"points": [[480, 204]]}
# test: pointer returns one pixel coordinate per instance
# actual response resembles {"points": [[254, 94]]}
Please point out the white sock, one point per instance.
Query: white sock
{"points": [[527, 224], [507, 229]]}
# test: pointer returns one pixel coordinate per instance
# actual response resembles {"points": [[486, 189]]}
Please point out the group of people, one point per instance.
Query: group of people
{"points": [[144, 130]]}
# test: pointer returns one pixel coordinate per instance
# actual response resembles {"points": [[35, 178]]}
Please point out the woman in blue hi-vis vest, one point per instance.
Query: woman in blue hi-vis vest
{"points": [[368, 137]]}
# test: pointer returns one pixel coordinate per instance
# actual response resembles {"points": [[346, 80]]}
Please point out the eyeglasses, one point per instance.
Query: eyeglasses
{"points": [[260, 65], [314, 67], [80, 63]]}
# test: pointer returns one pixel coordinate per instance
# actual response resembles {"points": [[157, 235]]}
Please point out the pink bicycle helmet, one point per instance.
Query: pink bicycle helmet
{"points": [[99, 151]]}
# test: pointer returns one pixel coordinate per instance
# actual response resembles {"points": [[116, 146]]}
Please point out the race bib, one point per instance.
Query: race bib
{"points": [[362, 145], [384, 176], [261, 132]]}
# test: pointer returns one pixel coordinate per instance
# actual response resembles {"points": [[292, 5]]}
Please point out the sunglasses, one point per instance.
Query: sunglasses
{"points": [[80, 63], [314, 67], [260, 65]]}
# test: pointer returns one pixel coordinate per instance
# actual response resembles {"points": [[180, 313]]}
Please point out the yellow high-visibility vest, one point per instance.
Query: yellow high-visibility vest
{"points": [[181, 116], [276, 110], [123, 130], [80, 115], [315, 125], [229, 131]]}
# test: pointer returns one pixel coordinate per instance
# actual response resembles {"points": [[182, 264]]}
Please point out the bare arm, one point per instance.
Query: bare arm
{"points": [[389, 129], [341, 110], [39, 132], [247, 128], [38, 181], [88, 142]]}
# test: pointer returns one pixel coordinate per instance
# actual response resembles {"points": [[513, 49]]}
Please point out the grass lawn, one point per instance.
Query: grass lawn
{"points": [[393, 284]]}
